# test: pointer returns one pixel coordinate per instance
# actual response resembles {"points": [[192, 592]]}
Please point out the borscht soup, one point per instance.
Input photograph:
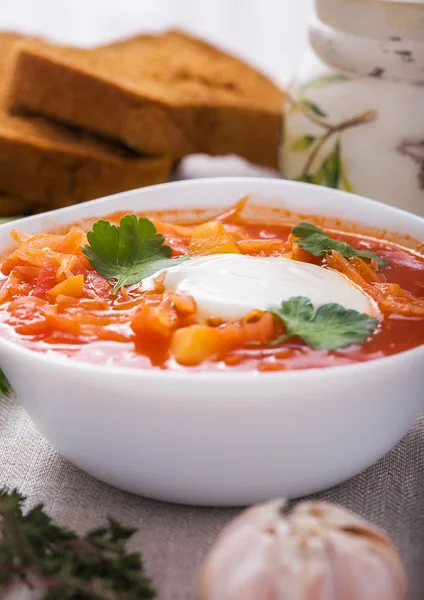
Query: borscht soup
{"points": [[223, 293]]}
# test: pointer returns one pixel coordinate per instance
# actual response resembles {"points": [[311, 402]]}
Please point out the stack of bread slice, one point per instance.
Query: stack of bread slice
{"points": [[77, 124]]}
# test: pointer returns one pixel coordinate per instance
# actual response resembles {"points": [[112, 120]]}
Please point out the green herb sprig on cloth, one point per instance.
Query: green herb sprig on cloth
{"points": [[128, 253], [329, 327], [58, 565], [317, 242], [5, 388]]}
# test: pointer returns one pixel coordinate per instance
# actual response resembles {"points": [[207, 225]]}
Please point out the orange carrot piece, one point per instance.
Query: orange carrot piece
{"points": [[262, 247]]}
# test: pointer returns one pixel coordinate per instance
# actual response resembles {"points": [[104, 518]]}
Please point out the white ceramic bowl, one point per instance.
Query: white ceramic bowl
{"points": [[221, 438]]}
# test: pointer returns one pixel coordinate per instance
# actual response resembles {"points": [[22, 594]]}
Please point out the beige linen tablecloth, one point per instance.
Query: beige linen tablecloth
{"points": [[175, 539]]}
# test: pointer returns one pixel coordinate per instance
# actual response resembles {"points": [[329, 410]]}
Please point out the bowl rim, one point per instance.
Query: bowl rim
{"points": [[61, 361]]}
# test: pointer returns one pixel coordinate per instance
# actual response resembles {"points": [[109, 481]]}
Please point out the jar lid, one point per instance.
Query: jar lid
{"points": [[381, 38], [379, 19]]}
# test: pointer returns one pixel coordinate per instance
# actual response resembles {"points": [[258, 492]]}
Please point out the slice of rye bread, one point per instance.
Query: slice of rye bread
{"points": [[47, 166], [14, 206], [169, 94]]}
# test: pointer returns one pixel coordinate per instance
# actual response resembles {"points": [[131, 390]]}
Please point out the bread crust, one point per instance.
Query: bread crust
{"points": [[170, 94], [47, 165]]}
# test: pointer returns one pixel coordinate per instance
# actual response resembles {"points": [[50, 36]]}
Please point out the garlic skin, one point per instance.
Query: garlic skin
{"points": [[318, 552]]}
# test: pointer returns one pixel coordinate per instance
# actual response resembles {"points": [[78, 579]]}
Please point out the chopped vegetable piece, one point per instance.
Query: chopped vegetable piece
{"points": [[212, 238], [70, 287], [192, 345], [330, 327], [128, 253], [317, 242], [262, 247]]}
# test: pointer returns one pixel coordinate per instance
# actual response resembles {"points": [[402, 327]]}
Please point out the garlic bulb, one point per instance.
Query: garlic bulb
{"points": [[318, 552]]}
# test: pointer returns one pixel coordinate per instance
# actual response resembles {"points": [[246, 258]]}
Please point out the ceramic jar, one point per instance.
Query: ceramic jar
{"points": [[355, 111]]}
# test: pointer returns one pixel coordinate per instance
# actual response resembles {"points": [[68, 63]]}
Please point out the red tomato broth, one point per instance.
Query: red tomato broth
{"points": [[96, 327]]}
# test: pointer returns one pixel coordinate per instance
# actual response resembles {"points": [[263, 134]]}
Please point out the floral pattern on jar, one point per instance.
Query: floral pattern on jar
{"points": [[354, 116]]}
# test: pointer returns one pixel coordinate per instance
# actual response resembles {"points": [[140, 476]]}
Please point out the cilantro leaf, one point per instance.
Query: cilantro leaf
{"points": [[128, 253], [317, 242], [329, 327]]}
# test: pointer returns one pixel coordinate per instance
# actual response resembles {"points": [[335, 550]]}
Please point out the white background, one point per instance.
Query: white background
{"points": [[270, 34]]}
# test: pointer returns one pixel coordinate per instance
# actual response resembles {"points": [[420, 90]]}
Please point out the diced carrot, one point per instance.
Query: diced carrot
{"points": [[192, 345], [231, 360], [166, 314], [295, 252], [214, 321], [185, 305], [262, 247], [211, 238], [149, 324], [33, 327], [70, 287], [231, 337], [63, 324], [270, 366], [301, 255], [260, 330]]}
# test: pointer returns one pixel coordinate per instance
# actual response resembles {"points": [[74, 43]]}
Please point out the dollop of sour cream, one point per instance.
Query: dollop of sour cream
{"points": [[229, 286]]}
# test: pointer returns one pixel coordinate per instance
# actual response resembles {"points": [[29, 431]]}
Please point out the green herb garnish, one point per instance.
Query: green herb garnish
{"points": [[128, 253], [329, 327], [56, 564], [5, 388], [8, 219], [317, 242]]}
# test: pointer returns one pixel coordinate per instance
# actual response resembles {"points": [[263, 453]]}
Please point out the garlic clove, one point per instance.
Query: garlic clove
{"points": [[360, 552], [241, 565], [365, 566], [318, 552]]}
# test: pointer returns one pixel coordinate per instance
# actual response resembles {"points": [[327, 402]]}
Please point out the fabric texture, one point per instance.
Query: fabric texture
{"points": [[174, 539]]}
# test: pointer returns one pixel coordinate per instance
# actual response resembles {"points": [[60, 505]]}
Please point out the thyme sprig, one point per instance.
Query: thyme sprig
{"points": [[56, 564]]}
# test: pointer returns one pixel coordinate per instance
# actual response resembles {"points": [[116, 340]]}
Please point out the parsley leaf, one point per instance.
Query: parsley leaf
{"points": [[128, 253], [317, 242], [330, 327]]}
